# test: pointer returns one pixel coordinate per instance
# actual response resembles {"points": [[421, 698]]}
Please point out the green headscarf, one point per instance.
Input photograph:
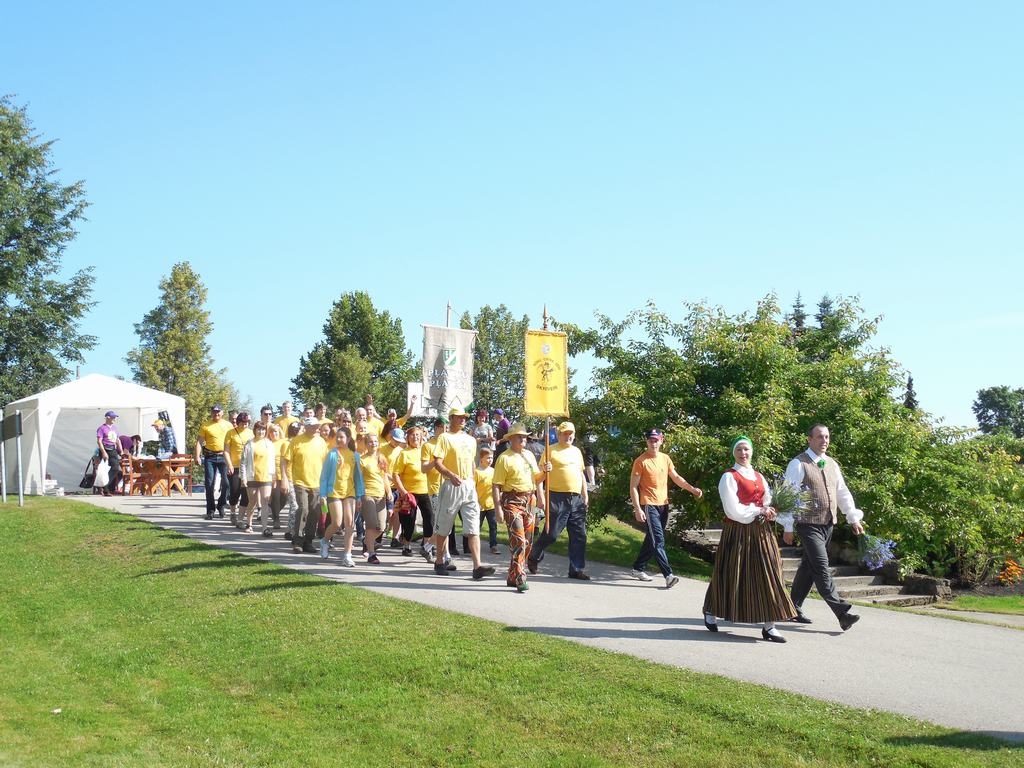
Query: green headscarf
{"points": [[741, 439]]}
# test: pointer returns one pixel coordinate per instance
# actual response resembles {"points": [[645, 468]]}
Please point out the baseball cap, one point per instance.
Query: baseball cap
{"points": [[655, 432], [566, 426], [217, 408], [109, 415], [398, 434], [311, 421], [158, 423], [498, 412], [456, 412]]}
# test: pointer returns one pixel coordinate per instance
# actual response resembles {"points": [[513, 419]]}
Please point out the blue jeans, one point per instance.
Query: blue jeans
{"points": [[566, 510], [213, 465], [491, 516], [654, 541]]}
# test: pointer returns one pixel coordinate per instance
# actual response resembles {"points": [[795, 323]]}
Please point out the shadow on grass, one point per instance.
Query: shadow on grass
{"points": [[271, 587], [982, 740], [229, 560]]}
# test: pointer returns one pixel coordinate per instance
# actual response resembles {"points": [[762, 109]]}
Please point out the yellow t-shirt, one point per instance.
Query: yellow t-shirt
{"points": [[408, 468], [307, 459], [516, 471], [284, 422], [375, 426], [264, 461], [344, 479], [457, 452], [390, 452], [483, 478], [212, 434], [280, 446], [234, 442], [433, 476], [566, 475], [374, 478]]}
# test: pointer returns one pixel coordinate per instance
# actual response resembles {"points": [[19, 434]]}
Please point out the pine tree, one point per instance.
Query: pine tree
{"points": [[910, 397], [174, 354]]}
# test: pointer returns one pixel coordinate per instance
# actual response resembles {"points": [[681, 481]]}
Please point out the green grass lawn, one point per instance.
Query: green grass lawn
{"points": [[160, 651], [1010, 604]]}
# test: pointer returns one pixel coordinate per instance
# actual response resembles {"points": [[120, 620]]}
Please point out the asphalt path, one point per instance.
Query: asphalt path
{"points": [[957, 674]]}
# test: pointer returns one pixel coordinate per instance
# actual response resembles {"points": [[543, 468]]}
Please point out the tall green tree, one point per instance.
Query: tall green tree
{"points": [[39, 313], [1000, 409], [174, 354], [499, 359], [910, 395], [363, 352]]}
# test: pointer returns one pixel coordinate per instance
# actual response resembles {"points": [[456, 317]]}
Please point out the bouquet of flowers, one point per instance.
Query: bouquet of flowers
{"points": [[875, 552], [786, 499]]}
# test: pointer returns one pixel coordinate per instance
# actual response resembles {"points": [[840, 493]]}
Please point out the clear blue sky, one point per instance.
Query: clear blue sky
{"points": [[587, 155]]}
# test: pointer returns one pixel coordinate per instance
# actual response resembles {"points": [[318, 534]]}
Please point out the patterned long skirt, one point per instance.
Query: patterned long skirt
{"points": [[746, 583]]}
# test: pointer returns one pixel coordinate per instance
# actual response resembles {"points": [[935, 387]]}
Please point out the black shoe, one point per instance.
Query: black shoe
{"points": [[220, 513], [801, 619], [309, 549], [440, 569], [532, 566], [581, 575], [209, 515], [847, 620], [396, 543], [407, 551], [450, 566], [710, 627], [287, 535], [772, 638], [483, 570]]}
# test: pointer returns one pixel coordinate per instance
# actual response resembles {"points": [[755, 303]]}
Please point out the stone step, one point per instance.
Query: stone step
{"points": [[790, 565], [870, 590], [860, 580], [902, 601]]}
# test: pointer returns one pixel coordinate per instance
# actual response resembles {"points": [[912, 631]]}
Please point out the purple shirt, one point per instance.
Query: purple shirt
{"points": [[107, 435]]}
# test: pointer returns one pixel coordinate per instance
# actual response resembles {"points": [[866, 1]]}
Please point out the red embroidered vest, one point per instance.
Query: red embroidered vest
{"points": [[749, 491]]}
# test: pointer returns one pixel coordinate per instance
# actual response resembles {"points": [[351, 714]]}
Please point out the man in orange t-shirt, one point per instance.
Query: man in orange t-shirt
{"points": [[648, 490]]}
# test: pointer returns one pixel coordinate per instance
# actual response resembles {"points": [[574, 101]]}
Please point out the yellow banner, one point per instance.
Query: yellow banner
{"points": [[547, 374]]}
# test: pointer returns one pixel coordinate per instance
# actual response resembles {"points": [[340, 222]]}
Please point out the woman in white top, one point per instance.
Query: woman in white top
{"points": [[746, 583]]}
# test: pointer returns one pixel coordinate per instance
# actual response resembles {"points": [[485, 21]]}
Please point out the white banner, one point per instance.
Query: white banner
{"points": [[447, 369]]}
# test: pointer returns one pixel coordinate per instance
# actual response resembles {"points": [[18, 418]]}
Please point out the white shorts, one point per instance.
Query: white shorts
{"points": [[451, 500]]}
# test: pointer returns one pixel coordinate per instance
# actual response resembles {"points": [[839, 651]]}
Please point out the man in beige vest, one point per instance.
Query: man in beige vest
{"points": [[820, 476]]}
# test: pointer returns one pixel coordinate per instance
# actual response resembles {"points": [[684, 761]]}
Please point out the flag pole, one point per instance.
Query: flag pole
{"points": [[547, 452]]}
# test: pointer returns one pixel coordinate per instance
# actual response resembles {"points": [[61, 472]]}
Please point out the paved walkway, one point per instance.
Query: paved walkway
{"points": [[957, 674]]}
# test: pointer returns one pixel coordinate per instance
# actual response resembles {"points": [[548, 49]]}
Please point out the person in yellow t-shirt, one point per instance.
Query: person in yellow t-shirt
{"points": [[408, 477], [391, 445], [515, 489], [209, 452], [234, 442], [373, 505], [453, 456], [566, 484], [286, 419], [258, 470], [305, 462], [277, 495], [483, 476]]}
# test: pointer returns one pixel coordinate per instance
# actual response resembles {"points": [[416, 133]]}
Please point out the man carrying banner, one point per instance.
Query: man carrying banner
{"points": [[567, 485], [454, 456]]}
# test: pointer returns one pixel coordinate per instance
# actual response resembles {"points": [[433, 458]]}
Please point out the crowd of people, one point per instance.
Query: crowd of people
{"points": [[327, 483]]}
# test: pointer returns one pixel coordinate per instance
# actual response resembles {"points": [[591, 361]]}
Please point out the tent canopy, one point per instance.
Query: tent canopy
{"points": [[59, 426]]}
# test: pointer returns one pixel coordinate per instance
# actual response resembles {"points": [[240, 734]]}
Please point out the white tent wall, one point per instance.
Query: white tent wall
{"points": [[59, 426]]}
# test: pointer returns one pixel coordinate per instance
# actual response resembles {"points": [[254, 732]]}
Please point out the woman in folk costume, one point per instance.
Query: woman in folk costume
{"points": [[746, 583]]}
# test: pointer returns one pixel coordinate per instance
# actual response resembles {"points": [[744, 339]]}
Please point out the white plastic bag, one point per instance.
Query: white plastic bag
{"points": [[102, 474]]}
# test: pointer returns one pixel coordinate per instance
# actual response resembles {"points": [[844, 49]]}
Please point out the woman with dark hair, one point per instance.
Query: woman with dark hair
{"points": [[746, 583], [409, 478], [483, 432], [234, 442]]}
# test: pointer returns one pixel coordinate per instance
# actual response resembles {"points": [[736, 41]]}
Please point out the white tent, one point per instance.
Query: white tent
{"points": [[59, 426]]}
